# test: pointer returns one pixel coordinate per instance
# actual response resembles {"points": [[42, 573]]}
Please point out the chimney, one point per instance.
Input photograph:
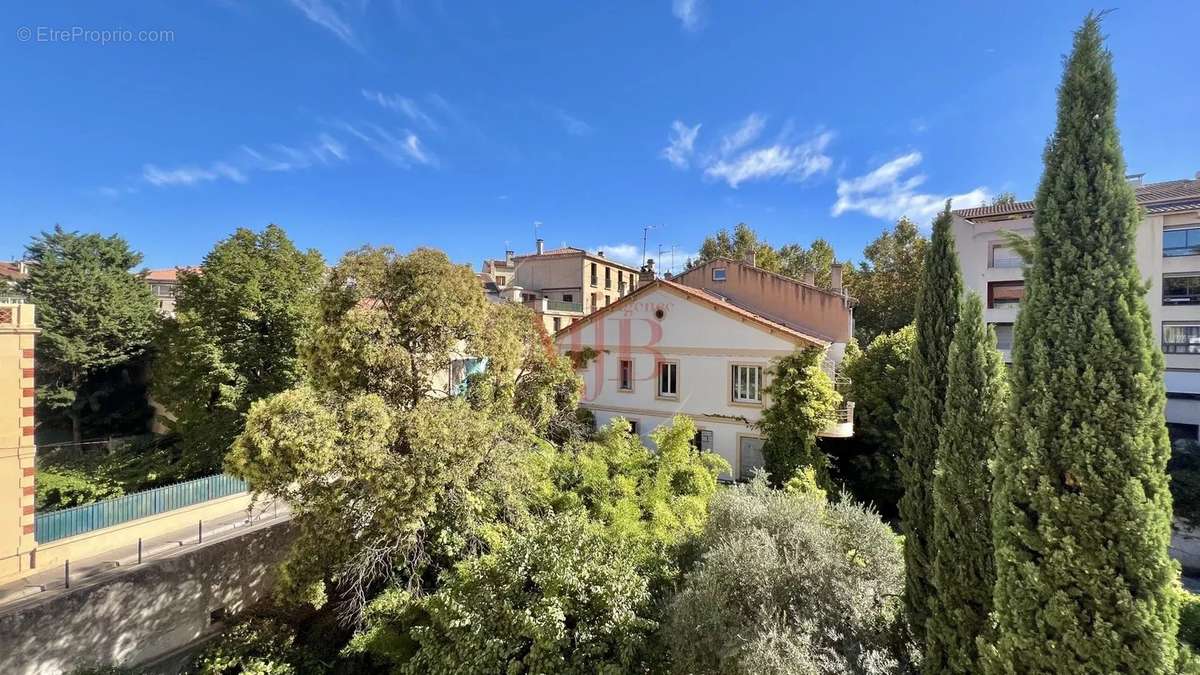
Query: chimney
{"points": [[508, 256], [541, 246], [835, 276], [752, 259], [599, 254], [810, 278], [647, 273]]}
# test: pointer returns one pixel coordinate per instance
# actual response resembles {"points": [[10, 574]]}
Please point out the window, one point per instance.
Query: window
{"points": [[668, 380], [1182, 432], [703, 440], [1181, 241], [607, 300], [1181, 338], [593, 274], [595, 300], [1004, 336], [634, 427], [567, 297], [747, 384], [500, 281], [557, 323], [626, 375], [1181, 289], [608, 277], [621, 282], [1004, 257], [718, 274], [1004, 293]]}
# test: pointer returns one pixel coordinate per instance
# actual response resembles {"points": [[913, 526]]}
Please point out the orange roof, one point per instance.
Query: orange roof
{"points": [[716, 302], [168, 273]]}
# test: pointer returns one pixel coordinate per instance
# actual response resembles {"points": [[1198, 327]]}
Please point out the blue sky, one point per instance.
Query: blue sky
{"points": [[460, 124]]}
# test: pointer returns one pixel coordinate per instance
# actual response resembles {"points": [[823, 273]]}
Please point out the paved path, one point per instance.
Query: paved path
{"points": [[114, 561]]}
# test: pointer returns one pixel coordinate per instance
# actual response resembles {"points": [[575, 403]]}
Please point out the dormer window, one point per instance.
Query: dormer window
{"points": [[718, 274]]}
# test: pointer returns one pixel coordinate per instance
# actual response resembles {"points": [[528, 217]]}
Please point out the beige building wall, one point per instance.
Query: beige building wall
{"points": [[17, 332], [977, 239], [826, 314]]}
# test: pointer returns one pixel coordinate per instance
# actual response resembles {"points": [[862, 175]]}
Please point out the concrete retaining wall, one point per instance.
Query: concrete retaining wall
{"points": [[146, 612]]}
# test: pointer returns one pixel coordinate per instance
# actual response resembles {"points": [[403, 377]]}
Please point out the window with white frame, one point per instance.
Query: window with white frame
{"points": [[718, 274], [668, 379], [1181, 338], [626, 375], [747, 384]]}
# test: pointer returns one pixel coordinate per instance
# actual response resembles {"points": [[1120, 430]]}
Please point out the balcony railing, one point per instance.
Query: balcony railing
{"points": [[563, 306], [12, 299]]}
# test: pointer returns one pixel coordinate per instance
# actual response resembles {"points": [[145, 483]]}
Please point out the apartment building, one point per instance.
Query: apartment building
{"points": [[164, 284], [702, 344], [1168, 255], [561, 285]]}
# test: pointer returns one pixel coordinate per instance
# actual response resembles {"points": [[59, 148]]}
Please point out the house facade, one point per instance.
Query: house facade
{"points": [[561, 285], [1168, 255], [674, 347], [164, 284]]}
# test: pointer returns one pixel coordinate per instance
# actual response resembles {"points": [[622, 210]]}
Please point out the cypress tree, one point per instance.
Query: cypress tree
{"points": [[963, 567], [921, 417], [1081, 509]]}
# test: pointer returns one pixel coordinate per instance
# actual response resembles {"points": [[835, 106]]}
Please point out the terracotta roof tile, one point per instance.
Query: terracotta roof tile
{"points": [[1147, 195]]}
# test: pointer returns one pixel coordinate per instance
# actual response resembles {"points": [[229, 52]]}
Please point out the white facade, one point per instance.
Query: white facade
{"points": [[702, 340], [992, 271]]}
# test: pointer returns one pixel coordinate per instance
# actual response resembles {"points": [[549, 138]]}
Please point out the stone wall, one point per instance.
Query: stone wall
{"points": [[148, 611]]}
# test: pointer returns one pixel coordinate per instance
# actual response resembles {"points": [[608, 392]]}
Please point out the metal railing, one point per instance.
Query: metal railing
{"points": [[564, 306], [12, 299], [54, 525], [845, 413]]}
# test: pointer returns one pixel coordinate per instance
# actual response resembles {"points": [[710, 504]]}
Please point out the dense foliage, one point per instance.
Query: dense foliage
{"points": [[803, 403], [963, 569], [790, 583], [867, 464], [921, 415], [887, 283], [97, 318], [1082, 504], [239, 322]]}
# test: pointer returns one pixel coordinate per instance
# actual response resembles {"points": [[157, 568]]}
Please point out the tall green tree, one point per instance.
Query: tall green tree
{"points": [[239, 323], [887, 283], [1082, 508], [803, 403], [922, 413], [738, 246], [96, 313], [795, 261], [964, 570], [868, 462]]}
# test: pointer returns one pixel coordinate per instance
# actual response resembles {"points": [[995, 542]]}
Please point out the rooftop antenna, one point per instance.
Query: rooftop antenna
{"points": [[645, 235]]}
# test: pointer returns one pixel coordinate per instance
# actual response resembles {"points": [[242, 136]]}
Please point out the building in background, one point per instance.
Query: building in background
{"points": [[561, 285], [701, 344], [17, 450], [164, 283], [1168, 255], [12, 272]]}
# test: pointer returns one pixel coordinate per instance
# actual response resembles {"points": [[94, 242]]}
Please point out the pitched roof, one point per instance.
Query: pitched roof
{"points": [[12, 271], [572, 251], [716, 302], [1155, 197], [169, 273]]}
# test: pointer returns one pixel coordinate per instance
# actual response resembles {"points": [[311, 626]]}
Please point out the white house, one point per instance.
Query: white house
{"points": [[669, 348]]}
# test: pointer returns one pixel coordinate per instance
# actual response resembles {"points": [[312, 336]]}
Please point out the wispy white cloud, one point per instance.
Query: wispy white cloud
{"points": [[689, 13], [888, 193], [738, 158], [191, 175], [682, 144], [402, 149], [746, 133], [404, 105], [325, 14], [573, 125], [276, 157]]}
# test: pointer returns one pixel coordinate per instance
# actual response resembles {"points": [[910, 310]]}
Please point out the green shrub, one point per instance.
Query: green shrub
{"points": [[61, 487], [1189, 620], [258, 645], [790, 583]]}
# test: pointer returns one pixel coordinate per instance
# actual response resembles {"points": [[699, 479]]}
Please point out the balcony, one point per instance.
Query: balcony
{"points": [[561, 306], [843, 427]]}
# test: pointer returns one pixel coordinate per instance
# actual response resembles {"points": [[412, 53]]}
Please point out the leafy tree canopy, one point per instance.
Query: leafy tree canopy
{"points": [[96, 314], [886, 284], [803, 403], [239, 322]]}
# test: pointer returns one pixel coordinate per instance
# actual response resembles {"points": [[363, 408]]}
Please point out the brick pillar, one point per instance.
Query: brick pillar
{"points": [[17, 451]]}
